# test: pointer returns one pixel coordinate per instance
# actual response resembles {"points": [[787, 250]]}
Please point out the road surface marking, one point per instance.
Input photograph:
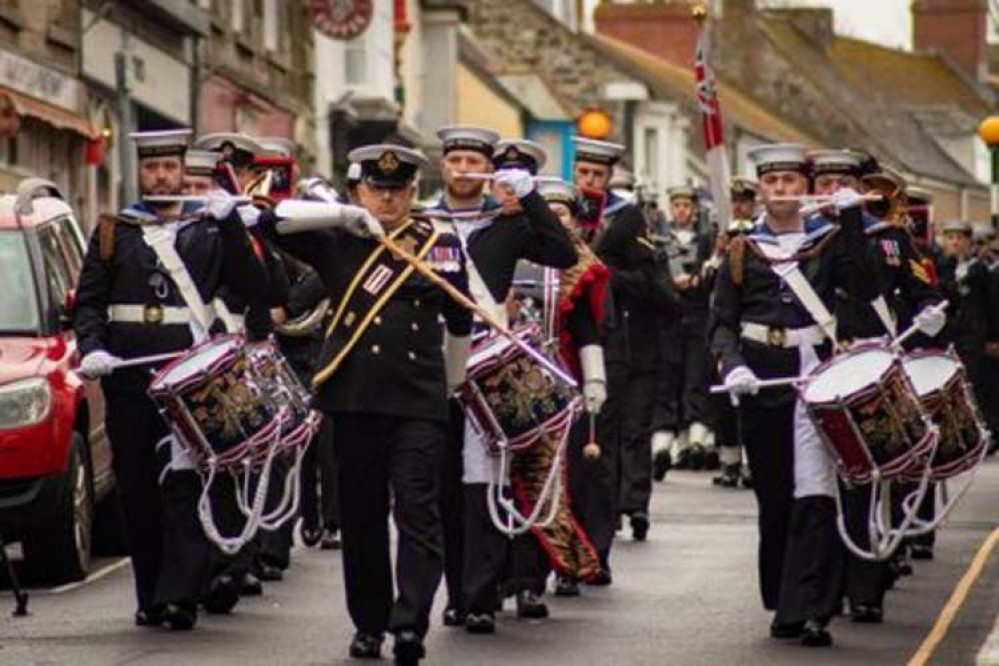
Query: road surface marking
{"points": [[957, 598], [91, 578]]}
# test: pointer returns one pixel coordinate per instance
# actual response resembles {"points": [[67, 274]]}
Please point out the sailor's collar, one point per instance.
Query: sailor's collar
{"points": [[816, 227]]}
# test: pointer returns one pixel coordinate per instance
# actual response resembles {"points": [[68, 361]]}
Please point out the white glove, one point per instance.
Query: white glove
{"points": [[219, 204], [250, 215], [98, 364], [662, 440], [456, 353], [595, 394], [742, 381], [360, 222], [518, 180], [931, 320], [296, 216], [591, 359], [846, 198]]}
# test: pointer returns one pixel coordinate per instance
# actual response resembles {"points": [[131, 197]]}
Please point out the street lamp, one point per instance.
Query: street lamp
{"points": [[989, 131]]}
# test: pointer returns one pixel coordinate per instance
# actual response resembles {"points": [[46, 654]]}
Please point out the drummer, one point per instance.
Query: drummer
{"points": [[765, 326], [129, 306]]}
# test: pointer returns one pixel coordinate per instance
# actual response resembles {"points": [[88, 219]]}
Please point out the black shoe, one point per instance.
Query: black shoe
{"points": [[530, 607], [454, 617], [729, 477], [711, 460], [222, 595], [408, 648], [639, 526], [250, 586], [866, 614], [786, 631], [366, 646], [181, 616], [268, 572], [311, 535], [566, 587], [921, 552], [747, 479], [330, 540], [815, 634], [905, 568], [661, 464], [682, 460], [480, 623], [150, 617], [602, 579], [697, 457]]}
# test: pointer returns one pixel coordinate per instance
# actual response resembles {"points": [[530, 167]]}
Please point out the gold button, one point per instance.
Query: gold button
{"points": [[375, 349], [414, 326], [378, 321], [412, 356], [416, 302]]}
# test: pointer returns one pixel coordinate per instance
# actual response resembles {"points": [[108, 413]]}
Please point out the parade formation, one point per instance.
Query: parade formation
{"points": [[477, 366], [507, 371]]}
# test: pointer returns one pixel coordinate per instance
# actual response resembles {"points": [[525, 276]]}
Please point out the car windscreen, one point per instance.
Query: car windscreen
{"points": [[18, 305]]}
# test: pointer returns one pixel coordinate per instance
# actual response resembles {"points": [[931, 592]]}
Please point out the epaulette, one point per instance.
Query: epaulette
{"points": [[737, 259], [105, 236]]}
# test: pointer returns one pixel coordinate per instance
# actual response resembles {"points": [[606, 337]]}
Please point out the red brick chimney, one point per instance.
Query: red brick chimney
{"points": [[665, 29], [955, 28]]}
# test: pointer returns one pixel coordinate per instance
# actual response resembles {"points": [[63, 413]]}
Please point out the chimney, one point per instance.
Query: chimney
{"points": [[665, 29], [956, 29]]}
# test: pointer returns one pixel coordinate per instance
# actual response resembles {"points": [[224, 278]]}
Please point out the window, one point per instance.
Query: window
{"points": [[272, 25], [650, 169], [56, 271], [355, 61], [238, 16], [65, 229], [18, 307]]}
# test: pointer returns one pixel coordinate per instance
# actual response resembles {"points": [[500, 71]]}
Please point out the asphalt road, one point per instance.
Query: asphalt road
{"points": [[687, 596]]}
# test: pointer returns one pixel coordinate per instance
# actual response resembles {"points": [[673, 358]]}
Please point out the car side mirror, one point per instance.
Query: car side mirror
{"points": [[66, 310]]}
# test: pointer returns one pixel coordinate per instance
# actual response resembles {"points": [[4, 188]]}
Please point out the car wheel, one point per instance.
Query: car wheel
{"points": [[60, 551]]}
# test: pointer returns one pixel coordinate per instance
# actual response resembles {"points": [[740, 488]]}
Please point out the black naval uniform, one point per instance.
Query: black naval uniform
{"points": [[495, 248], [806, 584], [387, 401], [907, 287], [641, 294], [170, 553]]}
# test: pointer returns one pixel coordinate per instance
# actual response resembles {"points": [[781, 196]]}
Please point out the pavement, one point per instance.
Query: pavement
{"points": [[687, 596]]}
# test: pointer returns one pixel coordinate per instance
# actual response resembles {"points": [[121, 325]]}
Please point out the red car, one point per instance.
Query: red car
{"points": [[55, 460]]}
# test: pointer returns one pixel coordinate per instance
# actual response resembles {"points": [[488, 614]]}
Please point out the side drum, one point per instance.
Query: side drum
{"points": [[867, 413]]}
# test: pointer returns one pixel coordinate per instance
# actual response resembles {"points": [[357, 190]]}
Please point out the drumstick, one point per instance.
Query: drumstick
{"points": [[765, 383], [914, 328], [145, 360], [469, 304]]}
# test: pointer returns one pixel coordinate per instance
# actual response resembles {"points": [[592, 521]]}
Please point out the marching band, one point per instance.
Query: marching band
{"points": [[508, 371]]}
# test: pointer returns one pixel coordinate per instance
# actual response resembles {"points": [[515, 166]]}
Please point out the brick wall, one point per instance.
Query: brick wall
{"points": [[956, 28], [665, 30]]}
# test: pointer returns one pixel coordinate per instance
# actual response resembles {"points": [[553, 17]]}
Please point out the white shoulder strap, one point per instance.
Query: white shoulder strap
{"points": [[161, 240], [791, 274], [477, 286]]}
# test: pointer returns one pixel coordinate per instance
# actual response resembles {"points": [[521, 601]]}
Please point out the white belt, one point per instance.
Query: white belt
{"points": [[149, 314], [782, 337]]}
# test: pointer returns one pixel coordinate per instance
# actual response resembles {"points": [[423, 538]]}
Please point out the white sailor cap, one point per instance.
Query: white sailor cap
{"points": [[353, 173], [466, 137], [161, 143], [958, 227], [236, 147], [779, 157], [598, 152], [277, 146], [201, 162], [681, 192], [519, 154], [846, 162], [388, 165], [558, 191]]}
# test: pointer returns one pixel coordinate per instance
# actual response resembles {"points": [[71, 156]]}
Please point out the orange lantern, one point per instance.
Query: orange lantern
{"points": [[594, 124]]}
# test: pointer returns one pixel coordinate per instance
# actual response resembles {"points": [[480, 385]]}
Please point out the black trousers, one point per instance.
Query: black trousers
{"points": [[170, 553], [812, 580], [626, 419], [378, 455], [866, 581], [274, 546], [593, 487], [768, 435], [320, 505], [230, 522], [497, 564], [452, 508], [695, 398]]}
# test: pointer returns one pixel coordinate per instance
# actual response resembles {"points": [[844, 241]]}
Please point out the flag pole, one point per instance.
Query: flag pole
{"points": [[719, 173]]}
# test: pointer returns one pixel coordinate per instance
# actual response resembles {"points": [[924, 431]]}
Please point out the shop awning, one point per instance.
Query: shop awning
{"points": [[49, 113]]}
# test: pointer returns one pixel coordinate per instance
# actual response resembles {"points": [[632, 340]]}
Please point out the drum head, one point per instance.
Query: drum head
{"points": [[930, 373], [197, 361], [848, 374]]}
